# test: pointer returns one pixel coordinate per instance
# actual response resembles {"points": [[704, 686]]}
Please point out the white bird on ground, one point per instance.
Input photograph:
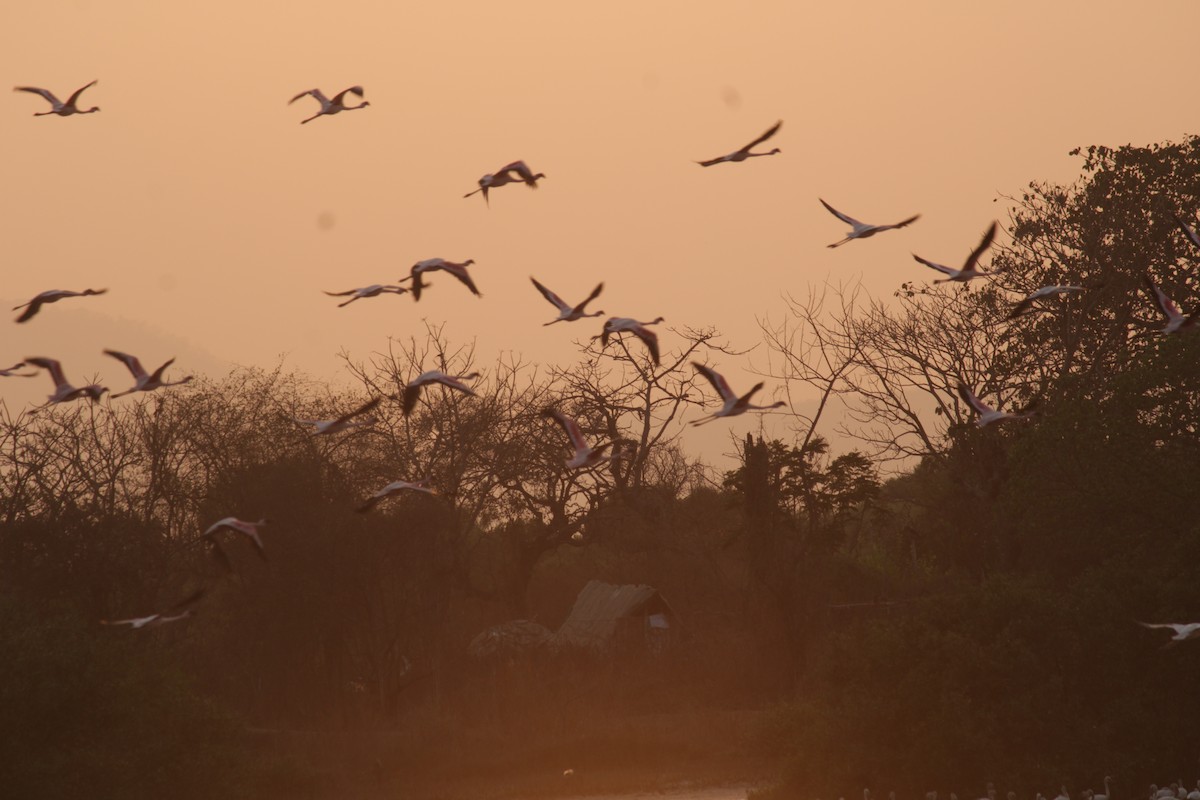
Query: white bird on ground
{"points": [[970, 268], [861, 230], [143, 381], [1062, 794], [247, 529], [509, 173], [568, 313], [585, 455], [395, 487], [181, 610], [342, 423], [628, 325], [1024, 306], [412, 391], [1188, 230], [987, 414], [1176, 321], [334, 106], [457, 269], [374, 290], [1107, 790], [11, 372], [744, 153], [58, 107], [1194, 794], [1183, 631], [50, 296], [732, 404], [63, 391]]}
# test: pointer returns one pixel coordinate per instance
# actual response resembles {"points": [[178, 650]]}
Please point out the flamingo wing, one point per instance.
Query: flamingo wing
{"points": [[851, 221], [131, 363], [1165, 304], [569, 426], [983, 245], [1188, 230], [939, 267], [338, 98], [554, 299], [75, 96], [45, 93], [770, 132], [717, 380], [54, 366], [972, 400]]}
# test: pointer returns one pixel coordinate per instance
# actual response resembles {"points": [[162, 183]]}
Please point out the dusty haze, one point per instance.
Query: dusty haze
{"points": [[216, 219]]}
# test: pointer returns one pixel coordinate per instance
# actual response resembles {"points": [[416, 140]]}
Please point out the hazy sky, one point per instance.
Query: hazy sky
{"points": [[197, 198]]}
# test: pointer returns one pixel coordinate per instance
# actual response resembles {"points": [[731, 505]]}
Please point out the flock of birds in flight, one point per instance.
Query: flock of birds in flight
{"points": [[584, 455]]}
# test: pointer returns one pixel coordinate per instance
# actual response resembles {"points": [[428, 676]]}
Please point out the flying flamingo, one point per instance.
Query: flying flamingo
{"points": [[412, 391], [585, 455], [627, 325], [374, 290], [458, 270], [987, 414], [63, 391], [181, 610], [334, 106], [342, 423], [51, 296], [509, 173], [1176, 321], [861, 230], [733, 405], [247, 529], [58, 107], [144, 382], [395, 487], [1023, 307], [970, 269], [1183, 631], [568, 313], [744, 153]]}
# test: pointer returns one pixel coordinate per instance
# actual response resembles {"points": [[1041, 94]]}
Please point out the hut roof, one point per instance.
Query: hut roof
{"points": [[594, 617]]}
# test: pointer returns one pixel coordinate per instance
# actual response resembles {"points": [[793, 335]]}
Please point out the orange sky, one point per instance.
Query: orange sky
{"points": [[195, 195]]}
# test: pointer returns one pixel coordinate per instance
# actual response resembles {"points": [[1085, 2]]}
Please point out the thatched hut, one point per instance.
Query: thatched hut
{"points": [[627, 619]]}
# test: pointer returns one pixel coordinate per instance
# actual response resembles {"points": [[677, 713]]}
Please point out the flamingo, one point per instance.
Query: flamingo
{"points": [[861, 230], [58, 107], [342, 423], [1107, 790], [247, 529], [50, 296], [1024, 306], [1062, 794], [1188, 230], [1176, 321], [63, 391], [11, 372], [334, 106], [181, 610], [627, 325], [1183, 631], [144, 382], [585, 455], [412, 391], [1194, 794], [395, 487], [987, 414], [374, 290], [744, 153], [568, 313], [458, 270], [970, 270], [733, 405], [509, 173]]}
